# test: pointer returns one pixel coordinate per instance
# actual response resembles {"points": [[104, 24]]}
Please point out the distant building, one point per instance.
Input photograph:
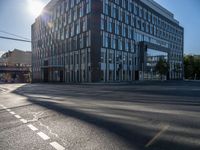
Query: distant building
{"points": [[15, 66], [105, 41], [16, 58]]}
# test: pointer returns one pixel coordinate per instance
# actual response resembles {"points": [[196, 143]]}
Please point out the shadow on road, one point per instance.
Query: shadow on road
{"points": [[135, 113]]}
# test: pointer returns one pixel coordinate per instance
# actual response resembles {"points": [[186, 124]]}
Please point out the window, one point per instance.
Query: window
{"points": [[138, 23], [102, 22], [126, 18], [113, 10], [67, 32], [119, 43], [81, 41], [123, 30], [105, 39], [120, 14], [105, 7], [149, 16], [132, 21], [103, 57], [81, 13], [75, 13], [109, 24], [72, 29], [126, 45], [116, 27], [129, 6], [88, 6], [66, 6], [140, 12], [72, 4], [132, 46], [78, 27], [129, 32], [113, 41], [88, 39], [84, 24]]}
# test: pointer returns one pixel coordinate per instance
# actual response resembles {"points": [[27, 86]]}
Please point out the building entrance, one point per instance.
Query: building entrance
{"points": [[152, 59]]}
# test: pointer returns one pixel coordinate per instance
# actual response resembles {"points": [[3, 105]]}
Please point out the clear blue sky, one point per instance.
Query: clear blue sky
{"points": [[16, 18]]}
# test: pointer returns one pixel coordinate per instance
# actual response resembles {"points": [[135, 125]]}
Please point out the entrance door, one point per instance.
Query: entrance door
{"points": [[136, 75], [61, 76], [46, 75]]}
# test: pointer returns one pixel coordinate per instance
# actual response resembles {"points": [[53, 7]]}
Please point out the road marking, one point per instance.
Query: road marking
{"points": [[157, 136], [4, 107], [43, 136], [23, 120], [12, 112], [8, 109], [17, 116], [32, 127], [57, 146]]}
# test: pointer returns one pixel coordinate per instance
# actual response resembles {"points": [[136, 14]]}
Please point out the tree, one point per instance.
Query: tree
{"points": [[192, 67], [162, 67]]}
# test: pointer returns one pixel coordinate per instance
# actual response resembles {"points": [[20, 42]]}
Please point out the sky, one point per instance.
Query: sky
{"points": [[17, 16]]}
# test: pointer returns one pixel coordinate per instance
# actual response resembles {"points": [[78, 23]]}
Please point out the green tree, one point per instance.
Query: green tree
{"points": [[192, 67], [162, 67]]}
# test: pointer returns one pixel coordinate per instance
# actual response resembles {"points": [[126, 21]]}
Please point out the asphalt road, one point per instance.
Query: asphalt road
{"points": [[142, 116]]}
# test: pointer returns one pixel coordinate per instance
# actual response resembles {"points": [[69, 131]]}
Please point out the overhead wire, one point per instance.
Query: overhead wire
{"points": [[14, 39], [21, 37]]}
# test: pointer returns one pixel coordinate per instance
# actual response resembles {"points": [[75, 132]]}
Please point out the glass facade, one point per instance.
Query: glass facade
{"points": [[64, 37], [126, 23], [153, 57]]}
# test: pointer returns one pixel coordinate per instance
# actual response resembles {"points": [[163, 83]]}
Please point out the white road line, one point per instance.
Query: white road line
{"points": [[157, 136], [23, 120], [32, 127], [8, 109], [43, 136], [17, 116], [57, 146], [12, 112], [4, 107]]}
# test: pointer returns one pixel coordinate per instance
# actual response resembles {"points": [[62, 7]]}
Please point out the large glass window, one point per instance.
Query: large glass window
{"points": [[105, 7], [113, 41], [109, 24], [117, 28], [153, 57], [102, 22], [105, 39], [119, 43], [88, 6]]}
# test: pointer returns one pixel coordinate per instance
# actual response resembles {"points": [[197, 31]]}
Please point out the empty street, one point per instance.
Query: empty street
{"points": [[139, 116]]}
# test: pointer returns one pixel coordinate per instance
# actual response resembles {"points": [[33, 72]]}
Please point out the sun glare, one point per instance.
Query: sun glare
{"points": [[35, 7]]}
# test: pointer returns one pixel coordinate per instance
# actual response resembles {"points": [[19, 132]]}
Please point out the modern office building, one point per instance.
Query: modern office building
{"points": [[105, 41]]}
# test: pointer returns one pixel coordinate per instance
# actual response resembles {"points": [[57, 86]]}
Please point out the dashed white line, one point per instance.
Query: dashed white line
{"points": [[43, 136], [23, 120], [57, 146], [17, 116], [8, 109], [32, 127], [4, 107], [12, 112]]}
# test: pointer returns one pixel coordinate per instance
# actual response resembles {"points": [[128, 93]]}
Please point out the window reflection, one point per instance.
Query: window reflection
{"points": [[153, 56]]}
